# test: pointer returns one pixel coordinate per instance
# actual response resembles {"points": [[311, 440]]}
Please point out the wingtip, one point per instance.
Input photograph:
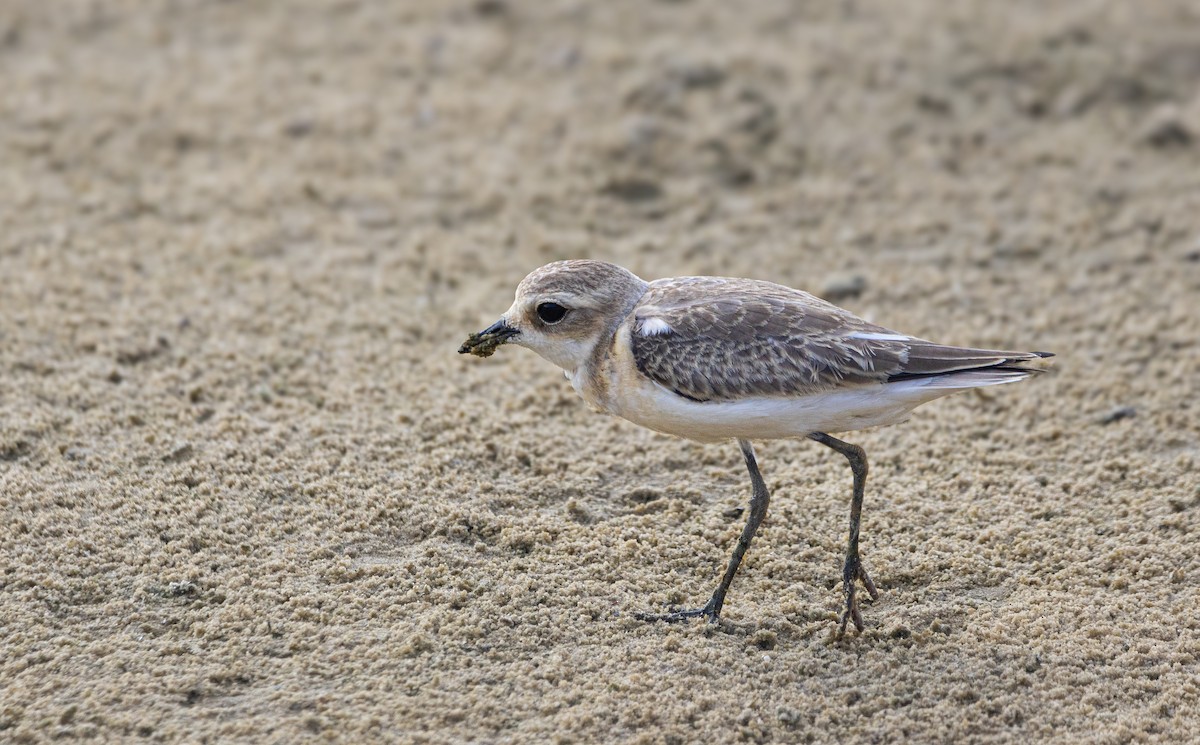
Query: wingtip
{"points": [[1034, 362]]}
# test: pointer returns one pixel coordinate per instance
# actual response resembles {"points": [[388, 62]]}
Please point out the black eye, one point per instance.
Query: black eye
{"points": [[551, 312]]}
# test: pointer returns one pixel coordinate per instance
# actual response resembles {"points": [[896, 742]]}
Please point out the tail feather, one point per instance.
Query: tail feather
{"points": [[977, 378], [968, 368]]}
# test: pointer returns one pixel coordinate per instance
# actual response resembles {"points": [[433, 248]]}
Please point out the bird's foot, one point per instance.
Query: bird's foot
{"points": [[711, 611], [853, 573]]}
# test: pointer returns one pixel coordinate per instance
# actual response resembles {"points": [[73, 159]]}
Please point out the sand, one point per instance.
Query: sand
{"points": [[249, 492]]}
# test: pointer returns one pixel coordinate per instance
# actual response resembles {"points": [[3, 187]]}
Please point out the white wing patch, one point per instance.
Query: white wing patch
{"points": [[867, 336], [653, 327]]}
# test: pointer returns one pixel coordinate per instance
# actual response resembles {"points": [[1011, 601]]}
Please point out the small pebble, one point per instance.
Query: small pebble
{"points": [[1166, 128], [841, 287], [1117, 414]]}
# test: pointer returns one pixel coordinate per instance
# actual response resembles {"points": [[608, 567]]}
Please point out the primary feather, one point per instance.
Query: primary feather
{"points": [[727, 339]]}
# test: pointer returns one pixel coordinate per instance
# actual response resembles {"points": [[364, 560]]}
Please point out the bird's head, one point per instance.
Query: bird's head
{"points": [[562, 310]]}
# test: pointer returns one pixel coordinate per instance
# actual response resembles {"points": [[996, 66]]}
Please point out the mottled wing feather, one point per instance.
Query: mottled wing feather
{"points": [[730, 339], [726, 339]]}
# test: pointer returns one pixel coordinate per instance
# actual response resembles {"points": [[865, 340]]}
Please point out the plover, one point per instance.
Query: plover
{"points": [[714, 358]]}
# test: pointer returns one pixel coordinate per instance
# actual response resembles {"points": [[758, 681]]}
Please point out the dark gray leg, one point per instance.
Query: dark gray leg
{"points": [[853, 569], [758, 510]]}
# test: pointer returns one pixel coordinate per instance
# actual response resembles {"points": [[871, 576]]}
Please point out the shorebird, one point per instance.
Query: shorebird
{"points": [[716, 358]]}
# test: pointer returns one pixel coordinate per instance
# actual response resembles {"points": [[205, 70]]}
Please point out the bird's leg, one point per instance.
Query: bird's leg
{"points": [[758, 510], [853, 569]]}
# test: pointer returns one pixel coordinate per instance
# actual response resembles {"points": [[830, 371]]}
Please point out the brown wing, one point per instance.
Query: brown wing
{"points": [[718, 339]]}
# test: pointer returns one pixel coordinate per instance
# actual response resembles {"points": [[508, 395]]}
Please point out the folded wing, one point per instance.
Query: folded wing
{"points": [[713, 339]]}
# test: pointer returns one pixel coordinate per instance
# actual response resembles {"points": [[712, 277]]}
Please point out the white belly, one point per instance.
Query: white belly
{"points": [[759, 418]]}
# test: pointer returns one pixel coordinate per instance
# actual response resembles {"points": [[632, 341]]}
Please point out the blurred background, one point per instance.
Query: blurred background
{"points": [[248, 491]]}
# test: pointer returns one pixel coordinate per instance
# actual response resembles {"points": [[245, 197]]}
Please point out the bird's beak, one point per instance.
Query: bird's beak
{"points": [[484, 343]]}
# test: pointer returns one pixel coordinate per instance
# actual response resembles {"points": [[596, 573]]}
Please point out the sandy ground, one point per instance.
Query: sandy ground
{"points": [[248, 491]]}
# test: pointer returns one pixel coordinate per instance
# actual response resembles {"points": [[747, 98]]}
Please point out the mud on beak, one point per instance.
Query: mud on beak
{"points": [[484, 343]]}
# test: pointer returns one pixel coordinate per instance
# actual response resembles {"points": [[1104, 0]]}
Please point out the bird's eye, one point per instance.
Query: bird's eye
{"points": [[551, 312]]}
